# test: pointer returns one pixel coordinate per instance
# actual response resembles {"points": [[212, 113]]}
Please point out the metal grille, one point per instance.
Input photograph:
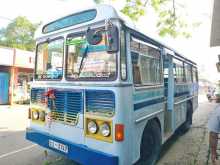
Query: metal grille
{"points": [[74, 106], [98, 100], [37, 95], [66, 106], [58, 107]]}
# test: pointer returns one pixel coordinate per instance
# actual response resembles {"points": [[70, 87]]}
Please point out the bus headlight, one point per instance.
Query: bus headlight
{"points": [[42, 116], [92, 127], [35, 115], [105, 129]]}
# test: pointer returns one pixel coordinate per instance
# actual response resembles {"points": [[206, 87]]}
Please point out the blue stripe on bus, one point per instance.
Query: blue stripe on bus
{"points": [[148, 103], [94, 48], [148, 94], [78, 152], [181, 94]]}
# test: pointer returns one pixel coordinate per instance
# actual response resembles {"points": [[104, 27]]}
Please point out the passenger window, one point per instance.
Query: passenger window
{"points": [[123, 56], [146, 64], [188, 72], [195, 76], [179, 75]]}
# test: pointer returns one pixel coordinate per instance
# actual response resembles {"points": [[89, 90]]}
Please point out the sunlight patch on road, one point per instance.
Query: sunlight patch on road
{"points": [[16, 151]]}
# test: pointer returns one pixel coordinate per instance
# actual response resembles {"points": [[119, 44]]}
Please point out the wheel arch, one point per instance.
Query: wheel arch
{"points": [[189, 111], [157, 121], [154, 119]]}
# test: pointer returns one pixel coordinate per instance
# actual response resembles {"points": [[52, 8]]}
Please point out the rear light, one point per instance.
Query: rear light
{"points": [[119, 132], [29, 113]]}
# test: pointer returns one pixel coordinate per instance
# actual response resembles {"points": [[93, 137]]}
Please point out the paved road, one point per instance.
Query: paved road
{"points": [[191, 148], [14, 149]]}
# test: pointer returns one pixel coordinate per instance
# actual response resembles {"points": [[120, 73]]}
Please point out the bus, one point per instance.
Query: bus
{"points": [[106, 94]]}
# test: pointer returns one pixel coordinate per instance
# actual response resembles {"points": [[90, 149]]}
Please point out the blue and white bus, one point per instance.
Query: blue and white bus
{"points": [[106, 94]]}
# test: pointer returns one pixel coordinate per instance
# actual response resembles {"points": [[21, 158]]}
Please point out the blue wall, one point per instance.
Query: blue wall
{"points": [[4, 87]]}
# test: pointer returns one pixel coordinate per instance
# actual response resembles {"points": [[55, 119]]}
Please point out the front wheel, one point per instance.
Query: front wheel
{"points": [[150, 144]]}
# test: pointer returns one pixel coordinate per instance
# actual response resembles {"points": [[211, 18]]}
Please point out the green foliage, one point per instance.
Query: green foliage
{"points": [[46, 163], [169, 23], [19, 34], [98, 1], [134, 9]]}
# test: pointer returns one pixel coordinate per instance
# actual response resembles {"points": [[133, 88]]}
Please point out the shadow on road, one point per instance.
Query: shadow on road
{"points": [[169, 143]]}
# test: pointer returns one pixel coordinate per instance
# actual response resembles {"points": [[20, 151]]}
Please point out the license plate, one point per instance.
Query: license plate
{"points": [[58, 146]]}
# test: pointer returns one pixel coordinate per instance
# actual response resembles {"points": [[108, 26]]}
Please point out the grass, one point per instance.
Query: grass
{"points": [[60, 161]]}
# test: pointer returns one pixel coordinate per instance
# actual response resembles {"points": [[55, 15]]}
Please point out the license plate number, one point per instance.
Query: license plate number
{"points": [[58, 146]]}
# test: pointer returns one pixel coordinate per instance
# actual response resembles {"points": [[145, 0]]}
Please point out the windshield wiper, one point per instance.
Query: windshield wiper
{"points": [[82, 60]]}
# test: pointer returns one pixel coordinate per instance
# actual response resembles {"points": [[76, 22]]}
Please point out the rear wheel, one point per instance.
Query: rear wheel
{"points": [[187, 124], [150, 144]]}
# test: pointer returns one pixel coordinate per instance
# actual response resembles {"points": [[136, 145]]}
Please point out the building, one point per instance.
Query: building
{"points": [[16, 70], [215, 30]]}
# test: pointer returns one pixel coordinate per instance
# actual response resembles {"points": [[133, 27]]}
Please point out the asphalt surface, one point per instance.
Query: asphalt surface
{"points": [[14, 148], [190, 148]]}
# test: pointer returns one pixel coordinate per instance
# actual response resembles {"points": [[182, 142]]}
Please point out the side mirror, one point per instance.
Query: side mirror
{"points": [[112, 39], [93, 37]]}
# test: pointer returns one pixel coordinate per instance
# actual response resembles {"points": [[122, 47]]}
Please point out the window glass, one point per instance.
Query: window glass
{"points": [[195, 76], [188, 72], [89, 62], [49, 60], [146, 64], [123, 56], [178, 71], [70, 21]]}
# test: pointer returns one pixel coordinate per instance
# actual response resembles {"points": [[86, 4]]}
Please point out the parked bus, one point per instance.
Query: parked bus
{"points": [[106, 94]]}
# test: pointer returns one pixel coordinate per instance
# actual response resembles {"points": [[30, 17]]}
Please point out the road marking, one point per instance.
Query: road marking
{"points": [[16, 151]]}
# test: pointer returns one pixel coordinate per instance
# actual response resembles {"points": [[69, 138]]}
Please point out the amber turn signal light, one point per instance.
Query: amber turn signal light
{"points": [[119, 132]]}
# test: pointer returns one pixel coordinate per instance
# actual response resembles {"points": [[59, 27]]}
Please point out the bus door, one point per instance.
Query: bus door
{"points": [[169, 126]]}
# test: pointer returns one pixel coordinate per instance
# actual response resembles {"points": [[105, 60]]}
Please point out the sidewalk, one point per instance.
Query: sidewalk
{"points": [[14, 107], [13, 118]]}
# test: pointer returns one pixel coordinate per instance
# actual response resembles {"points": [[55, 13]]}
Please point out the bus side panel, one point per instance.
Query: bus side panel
{"points": [[195, 88], [146, 102], [195, 102], [122, 149], [182, 92]]}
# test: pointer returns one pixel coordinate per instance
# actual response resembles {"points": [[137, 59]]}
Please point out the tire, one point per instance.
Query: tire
{"points": [[150, 144], [187, 124]]}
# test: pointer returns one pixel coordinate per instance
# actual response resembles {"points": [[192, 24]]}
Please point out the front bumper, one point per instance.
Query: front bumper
{"points": [[77, 152]]}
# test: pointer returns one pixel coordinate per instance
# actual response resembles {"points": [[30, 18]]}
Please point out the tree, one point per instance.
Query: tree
{"points": [[19, 34], [168, 23]]}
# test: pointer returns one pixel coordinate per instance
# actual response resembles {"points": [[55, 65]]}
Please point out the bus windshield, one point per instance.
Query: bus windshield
{"points": [[89, 62], [49, 60]]}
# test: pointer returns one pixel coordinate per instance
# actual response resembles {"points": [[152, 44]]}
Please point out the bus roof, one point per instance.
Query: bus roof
{"points": [[103, 12]]}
